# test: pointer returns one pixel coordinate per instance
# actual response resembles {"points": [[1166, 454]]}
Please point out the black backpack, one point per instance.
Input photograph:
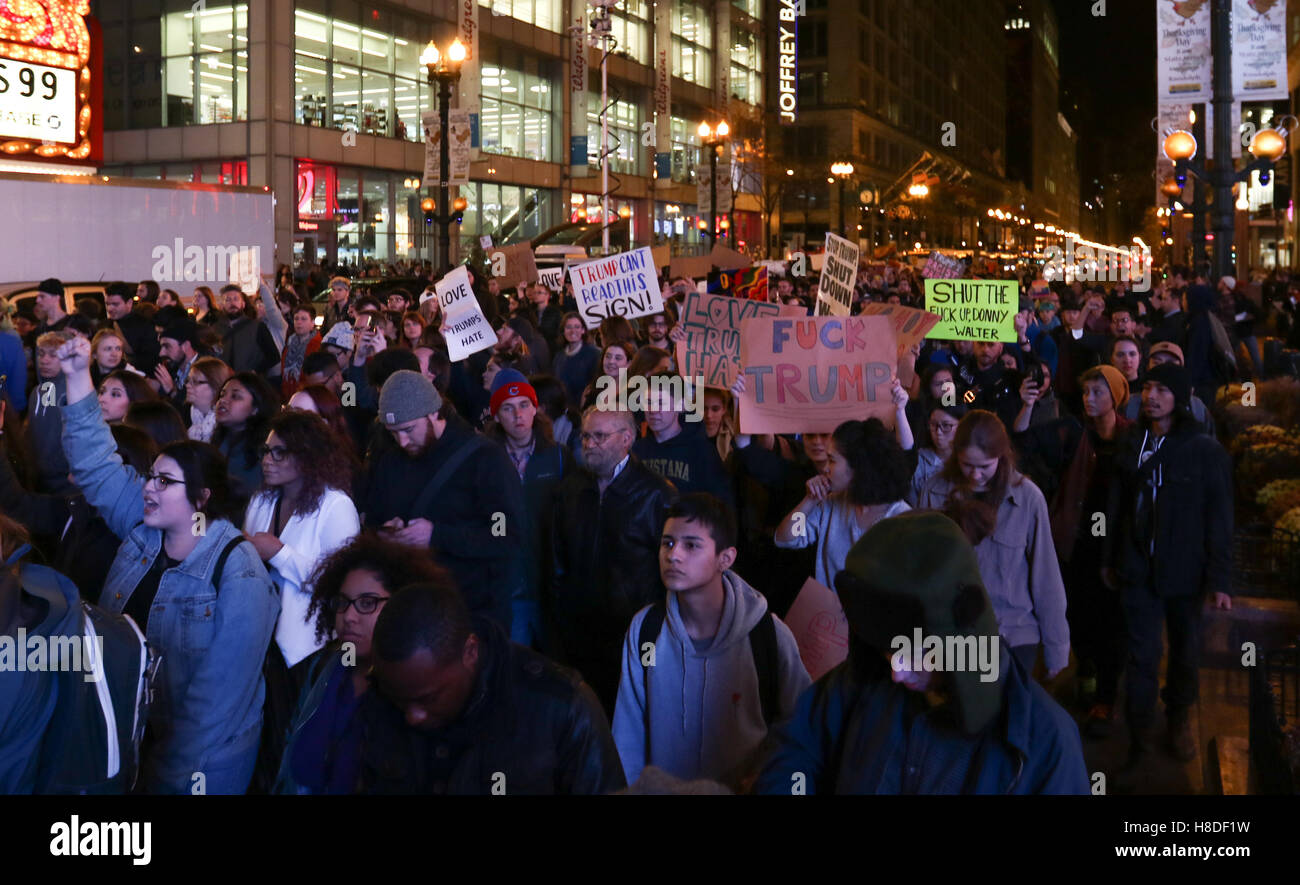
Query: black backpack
{"points": [[762, 644], [91, 744]]}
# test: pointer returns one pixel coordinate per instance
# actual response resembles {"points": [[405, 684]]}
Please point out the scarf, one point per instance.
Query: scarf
{"points": [[295, 351], [202, 426]]}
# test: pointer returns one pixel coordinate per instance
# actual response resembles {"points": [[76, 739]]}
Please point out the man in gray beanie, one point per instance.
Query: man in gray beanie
{"points": [[447, 489]]}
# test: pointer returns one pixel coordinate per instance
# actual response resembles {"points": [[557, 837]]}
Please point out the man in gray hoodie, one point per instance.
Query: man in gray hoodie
{"points": [[707, 673]]}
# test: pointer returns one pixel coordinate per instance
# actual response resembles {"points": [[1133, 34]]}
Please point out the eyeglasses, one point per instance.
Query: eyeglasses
{"points": [[278, 453], [162, 480], [597, 438], [943, 427], [366, 603]]}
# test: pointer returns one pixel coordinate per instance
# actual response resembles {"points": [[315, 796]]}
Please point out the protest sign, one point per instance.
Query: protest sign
{"points": [[245, 269], [729, 259], [910, 328], [811, 374], [839, 273], [973, 310], [513, 265], [690, 266], [463, 324], [820, 628], [551, 277], [712, 324], [940, 267], [750, 282], [622, 285], [663, 256]]}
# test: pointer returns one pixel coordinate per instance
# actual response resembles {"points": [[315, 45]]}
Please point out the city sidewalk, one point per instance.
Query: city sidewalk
{"points": [[1220, 720]]}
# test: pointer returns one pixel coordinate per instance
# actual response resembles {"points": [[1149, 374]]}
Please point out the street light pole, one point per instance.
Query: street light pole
{"points": [[1223, 175], [713, 194], [444, 165], [444, 72]]}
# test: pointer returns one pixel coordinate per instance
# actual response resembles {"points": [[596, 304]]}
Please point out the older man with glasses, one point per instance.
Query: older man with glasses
{"points": [[608, 519]]}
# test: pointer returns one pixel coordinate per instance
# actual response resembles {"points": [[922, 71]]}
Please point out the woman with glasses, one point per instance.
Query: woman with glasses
{"points": [[938, 448], [207, 376], [184, 574], [348, 592]]}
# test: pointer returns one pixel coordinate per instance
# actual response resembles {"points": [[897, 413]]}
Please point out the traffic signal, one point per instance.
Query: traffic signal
{"points": [[428, 205]]}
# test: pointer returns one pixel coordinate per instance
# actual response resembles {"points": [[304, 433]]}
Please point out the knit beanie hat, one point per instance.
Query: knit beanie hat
{"points": [[1116, 381], [918, 572], [508, 383], [407, 396], [1175, 378]]}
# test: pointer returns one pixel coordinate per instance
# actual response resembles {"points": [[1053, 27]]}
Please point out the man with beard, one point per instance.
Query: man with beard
{"points": [[607, 523], [247, 345], [449, 489]]}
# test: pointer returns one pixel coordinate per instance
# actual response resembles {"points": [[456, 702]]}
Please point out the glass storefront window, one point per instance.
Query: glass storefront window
{"points": [[624, 137], [692, 25], [753, 7], [674, 224], [506, 212], [354, 73], [205, 68], [543, 13], [746, 66], [516, 108], [686, 143], [631, 28]]}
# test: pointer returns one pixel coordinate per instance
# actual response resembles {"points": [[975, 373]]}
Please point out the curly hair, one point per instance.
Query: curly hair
{"points": [[323, 461], [879, 464], [394, 565]]}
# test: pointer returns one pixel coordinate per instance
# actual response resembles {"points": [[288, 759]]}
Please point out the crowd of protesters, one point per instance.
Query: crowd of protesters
{"points": [[368, 568]]}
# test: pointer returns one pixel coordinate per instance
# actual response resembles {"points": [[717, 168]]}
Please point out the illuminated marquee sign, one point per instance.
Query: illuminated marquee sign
{"points": [[45, 79], [787, 69]]}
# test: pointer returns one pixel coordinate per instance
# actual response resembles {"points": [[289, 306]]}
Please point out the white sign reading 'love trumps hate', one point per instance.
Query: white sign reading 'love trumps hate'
{"points": [[622, 285], [463, 324]]}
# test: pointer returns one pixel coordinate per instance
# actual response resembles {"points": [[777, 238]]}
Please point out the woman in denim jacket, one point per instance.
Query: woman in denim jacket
{"points": [[206, 717]]}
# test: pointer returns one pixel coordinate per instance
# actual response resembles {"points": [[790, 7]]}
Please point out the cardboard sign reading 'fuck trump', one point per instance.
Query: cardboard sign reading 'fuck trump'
{"points": [[811, 374]]}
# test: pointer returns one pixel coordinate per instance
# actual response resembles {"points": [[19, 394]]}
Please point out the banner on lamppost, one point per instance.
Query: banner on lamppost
{"points": [[1183, 51], [432, 142], [578, 94], [470, 83], [1258, 50], [458, 148]]}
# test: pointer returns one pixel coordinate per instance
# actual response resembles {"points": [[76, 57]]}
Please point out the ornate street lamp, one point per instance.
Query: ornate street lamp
{"points": [[444, 73]]}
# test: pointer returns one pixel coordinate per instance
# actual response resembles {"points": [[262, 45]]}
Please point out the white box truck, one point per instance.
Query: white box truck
{"points": [[92, 230]]}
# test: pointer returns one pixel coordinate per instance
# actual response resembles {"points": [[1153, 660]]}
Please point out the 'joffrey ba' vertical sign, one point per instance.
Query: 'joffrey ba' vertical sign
{"points": [[787, 60]]}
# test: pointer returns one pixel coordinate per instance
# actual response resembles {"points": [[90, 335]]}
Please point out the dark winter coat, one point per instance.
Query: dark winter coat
{"points": [[482, 550], [531, 727], [855, 733]]}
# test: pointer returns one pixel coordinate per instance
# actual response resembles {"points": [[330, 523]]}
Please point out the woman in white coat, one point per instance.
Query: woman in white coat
{"points": [[301, 515]]}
